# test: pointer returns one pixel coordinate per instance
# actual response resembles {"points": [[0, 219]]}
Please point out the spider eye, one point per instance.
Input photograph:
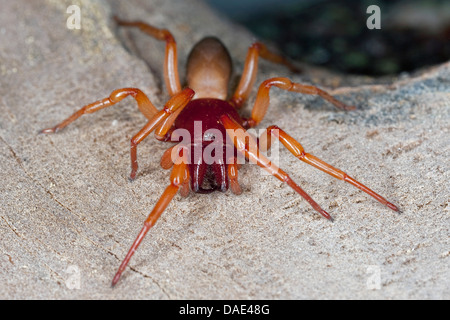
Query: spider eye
{"points": [[208, 136]]}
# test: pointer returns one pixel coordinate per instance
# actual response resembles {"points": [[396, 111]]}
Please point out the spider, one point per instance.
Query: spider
{"points": [[204, 102]]}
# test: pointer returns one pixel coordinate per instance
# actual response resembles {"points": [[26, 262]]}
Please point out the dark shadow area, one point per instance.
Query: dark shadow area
{"points": [[334, 34]]}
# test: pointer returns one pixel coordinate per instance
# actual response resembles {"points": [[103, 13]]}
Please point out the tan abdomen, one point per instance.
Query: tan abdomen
{"points": [[209, 69]]}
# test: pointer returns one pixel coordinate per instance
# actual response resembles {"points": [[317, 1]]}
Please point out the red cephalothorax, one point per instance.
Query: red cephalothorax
{"points": [[207, 145], [209, 134]]}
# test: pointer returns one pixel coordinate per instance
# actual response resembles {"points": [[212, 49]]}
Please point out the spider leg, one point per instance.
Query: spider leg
{"points": [[167, 163], [144, 105], [247, 145], [262, 98], [232, 168], [171, 76], [297, 150], [166, 126], [178, 178], [248, 77], [166, 159], [178, 101]]}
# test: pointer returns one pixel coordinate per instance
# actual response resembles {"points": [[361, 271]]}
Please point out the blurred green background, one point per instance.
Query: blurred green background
{"points": [[333, 34]]}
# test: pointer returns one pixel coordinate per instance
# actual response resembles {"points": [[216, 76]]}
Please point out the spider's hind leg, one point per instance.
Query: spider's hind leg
{"points": [[262, 98], [171, 76], [248, 76]]}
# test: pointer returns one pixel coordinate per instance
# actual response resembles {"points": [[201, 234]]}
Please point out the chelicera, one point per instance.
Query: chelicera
{"points": [[204, 101]]}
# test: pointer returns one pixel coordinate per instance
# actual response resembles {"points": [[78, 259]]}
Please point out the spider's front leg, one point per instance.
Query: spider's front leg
{"points": [[247, 146], [178, 179], [163, 120], [143, 102], [160, 120], [297, 150]]}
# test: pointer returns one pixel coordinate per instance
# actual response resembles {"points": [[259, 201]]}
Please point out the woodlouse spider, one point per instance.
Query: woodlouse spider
{"points": [[205, 102]]}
